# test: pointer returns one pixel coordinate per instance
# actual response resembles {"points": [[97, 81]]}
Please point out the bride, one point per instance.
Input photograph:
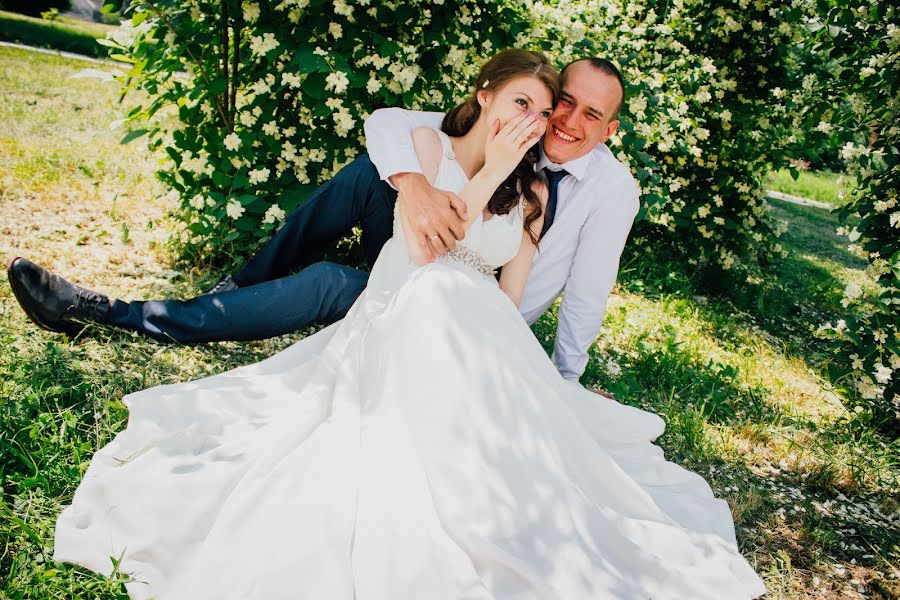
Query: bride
{"points": [[423, 447]]}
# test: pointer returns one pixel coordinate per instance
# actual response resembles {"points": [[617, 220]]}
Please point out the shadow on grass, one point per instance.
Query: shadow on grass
{"points": [[797, 294]]}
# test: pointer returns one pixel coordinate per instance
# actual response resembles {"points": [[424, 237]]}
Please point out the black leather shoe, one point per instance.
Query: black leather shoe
{"points": [[52, 302], [226, 284]]}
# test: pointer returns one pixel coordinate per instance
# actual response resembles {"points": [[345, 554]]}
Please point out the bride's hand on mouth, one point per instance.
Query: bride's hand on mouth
{"points": [[507, 144]]}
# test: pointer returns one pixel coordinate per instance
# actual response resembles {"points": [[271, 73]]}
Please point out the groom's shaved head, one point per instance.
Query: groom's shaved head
{"points": [[604, 66]]}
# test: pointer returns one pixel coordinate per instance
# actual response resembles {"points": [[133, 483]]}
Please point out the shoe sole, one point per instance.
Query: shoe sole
{"points": [[34, 318]]}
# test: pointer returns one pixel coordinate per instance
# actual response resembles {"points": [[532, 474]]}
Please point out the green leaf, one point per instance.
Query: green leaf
{"points": [[307, 62], [220, 179], [218, 86], [133, 135], [795, 174]]}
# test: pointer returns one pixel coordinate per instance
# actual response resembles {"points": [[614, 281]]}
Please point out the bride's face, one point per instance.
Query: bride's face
{"points": [[517, 96]]}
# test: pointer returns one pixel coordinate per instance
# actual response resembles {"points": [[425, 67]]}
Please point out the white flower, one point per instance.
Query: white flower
{"points": [[854, 235], [263, 45], [404, 76], [882, 373], [344, 122], [335, 30], [373, 85], [270, 128], [259, 176], [251, 12], [337, 81], [895, 219], [637, 104], [895, 361], [612, 367], [261, 87], [853, 291], [866, 72], [198, 202], [290, 79], [274, 213], [849, 151], [232, 142], [234, 209], [857, 362], [576, 31], [341, 8], [247, 119], [824, 127], [883, 205]]}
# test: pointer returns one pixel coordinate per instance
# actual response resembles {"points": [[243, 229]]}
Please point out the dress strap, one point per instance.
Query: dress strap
{"points": [[447, 146]]}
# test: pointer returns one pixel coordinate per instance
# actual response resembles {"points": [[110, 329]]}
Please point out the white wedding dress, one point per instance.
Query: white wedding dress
{"points": [[422, 448]]}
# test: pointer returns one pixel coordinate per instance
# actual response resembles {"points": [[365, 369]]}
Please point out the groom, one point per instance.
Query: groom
{"points": [[593, 202]]}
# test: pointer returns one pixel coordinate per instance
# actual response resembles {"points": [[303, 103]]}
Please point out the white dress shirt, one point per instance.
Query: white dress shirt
{"points": [[579, 255]]}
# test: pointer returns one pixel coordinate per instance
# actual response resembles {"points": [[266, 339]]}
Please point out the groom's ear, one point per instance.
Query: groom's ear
{"points": [[610, 129]]}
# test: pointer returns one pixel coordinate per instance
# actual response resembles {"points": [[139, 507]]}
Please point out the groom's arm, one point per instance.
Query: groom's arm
{"points": [[593, 275], [436, 216], [389, 140]]}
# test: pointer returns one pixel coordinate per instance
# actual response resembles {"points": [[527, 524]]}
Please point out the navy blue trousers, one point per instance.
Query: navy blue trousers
{"points": [[272, 299]]}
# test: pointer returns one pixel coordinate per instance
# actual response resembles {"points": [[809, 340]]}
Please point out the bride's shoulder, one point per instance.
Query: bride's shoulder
{"points": [[428, 146]]}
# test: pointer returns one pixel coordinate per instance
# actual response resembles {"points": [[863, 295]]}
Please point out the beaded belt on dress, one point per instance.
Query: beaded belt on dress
{"points": [[471, 258]]}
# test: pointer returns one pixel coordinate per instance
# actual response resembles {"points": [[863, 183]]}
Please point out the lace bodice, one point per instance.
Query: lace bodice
{"points": [[495, 241]]}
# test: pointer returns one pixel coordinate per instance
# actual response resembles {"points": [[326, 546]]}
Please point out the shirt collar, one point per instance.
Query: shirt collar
{"points": [[577, 167]]}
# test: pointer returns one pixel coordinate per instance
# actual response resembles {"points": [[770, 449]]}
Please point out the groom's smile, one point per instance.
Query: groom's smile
{"points": [[565, 137]]}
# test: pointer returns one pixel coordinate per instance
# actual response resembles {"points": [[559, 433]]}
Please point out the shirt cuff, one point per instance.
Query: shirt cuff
{"points": [[396, 166]]}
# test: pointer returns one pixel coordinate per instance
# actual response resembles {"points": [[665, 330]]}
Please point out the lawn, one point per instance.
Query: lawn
{"points": [[62, 33], [823, 186], [738, 378]]}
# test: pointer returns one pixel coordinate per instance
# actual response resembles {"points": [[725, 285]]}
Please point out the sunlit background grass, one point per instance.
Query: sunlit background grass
{"points": [[737, 375]]}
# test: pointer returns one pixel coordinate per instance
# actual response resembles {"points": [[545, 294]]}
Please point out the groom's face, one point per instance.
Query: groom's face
{"points": [[583, 117]]}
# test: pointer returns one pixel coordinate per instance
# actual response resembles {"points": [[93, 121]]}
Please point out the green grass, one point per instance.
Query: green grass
{"points": [[63, 33], [823, 186], [737, 374]]}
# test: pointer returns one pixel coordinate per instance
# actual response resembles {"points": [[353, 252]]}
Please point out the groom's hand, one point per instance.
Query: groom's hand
{"points": [[436, 216]]}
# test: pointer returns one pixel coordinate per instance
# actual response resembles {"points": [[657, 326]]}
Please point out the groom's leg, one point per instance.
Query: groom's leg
{"points": [[321, 293], [356, 195]]}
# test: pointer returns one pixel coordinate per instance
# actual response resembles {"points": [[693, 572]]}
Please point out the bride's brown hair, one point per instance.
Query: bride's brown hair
{"points": [[495, 73]]}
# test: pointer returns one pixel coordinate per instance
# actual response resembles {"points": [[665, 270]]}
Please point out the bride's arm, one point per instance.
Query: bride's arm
{"points": [[503, 151], [514, 274]]}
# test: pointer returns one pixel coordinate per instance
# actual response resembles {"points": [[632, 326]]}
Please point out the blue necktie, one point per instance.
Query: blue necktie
{"points": [[553, 178]]}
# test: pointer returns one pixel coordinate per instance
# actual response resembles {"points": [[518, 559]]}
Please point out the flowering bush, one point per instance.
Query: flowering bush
{"points": [[704, 120], [276, 92], [854, 97]]}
